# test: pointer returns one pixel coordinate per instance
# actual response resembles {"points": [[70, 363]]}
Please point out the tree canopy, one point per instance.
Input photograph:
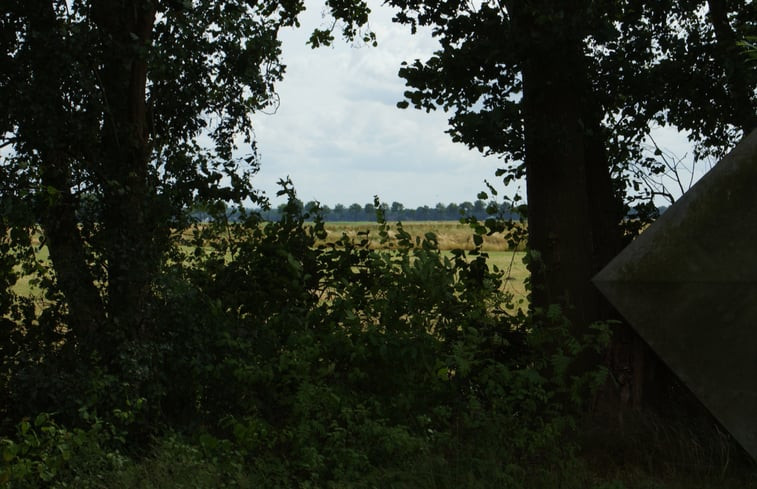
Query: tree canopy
{"points": [[567, 92], [134, 111], [633, 66], [674, 63], [262, 351]]}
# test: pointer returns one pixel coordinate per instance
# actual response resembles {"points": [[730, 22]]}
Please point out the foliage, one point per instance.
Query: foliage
{"points": [[283, 360], [750, 47], [663, 63], [281, 364], [42, 453], [288, 364], [567, 94], [682, 67], [118, 120], [308, 366], [347, 331]]}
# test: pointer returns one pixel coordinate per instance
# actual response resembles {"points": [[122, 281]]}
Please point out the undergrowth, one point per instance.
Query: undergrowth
{"points": [[273, 359]]}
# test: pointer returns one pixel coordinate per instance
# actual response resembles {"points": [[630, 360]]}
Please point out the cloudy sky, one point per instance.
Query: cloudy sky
{"points": [[338, 134]]}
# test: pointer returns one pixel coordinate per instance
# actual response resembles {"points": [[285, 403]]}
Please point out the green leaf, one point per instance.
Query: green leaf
{"points": [[296, 265], [42, 418], [10, 450]]}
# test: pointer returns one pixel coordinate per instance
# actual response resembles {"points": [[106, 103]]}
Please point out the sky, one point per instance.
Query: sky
{"points": [[339, 136]]}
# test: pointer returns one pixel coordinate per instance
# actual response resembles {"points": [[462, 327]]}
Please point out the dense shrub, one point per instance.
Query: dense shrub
{"points": [[323, 366], [43, 453]]}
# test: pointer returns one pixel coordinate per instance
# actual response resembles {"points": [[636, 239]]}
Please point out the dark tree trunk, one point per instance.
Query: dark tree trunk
{"points": [[67, 254], [132, 258], [628, 357], [574, 214], [571, 228], [59, 221]]}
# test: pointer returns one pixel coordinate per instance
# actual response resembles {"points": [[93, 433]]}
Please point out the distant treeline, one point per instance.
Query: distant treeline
{"points": [[396, 211]]}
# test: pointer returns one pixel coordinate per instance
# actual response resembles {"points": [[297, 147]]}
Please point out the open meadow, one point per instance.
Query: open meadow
{"points": [[450, 235]]}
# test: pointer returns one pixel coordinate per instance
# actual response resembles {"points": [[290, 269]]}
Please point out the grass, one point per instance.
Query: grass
{"points": [[515, 270], [24, 286], [450, 234], [175, 462]]}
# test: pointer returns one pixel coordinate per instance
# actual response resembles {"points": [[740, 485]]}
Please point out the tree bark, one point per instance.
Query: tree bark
{"points": [[132, 257], [574, 214], [67, 253], [568, 182]]}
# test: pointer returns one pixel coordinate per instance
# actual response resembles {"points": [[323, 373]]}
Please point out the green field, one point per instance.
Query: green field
{"points": [[450, 234], [515, 270]]}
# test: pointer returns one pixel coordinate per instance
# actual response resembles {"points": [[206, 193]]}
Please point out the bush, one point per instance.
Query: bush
{"points": [[303, 365], [43, 454]]}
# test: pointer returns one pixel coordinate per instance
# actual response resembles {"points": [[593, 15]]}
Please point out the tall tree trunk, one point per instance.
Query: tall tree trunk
{"points": [[59, 221], [574, 213], [629, 358], [66, 251], [130, 252], [558, 153]]}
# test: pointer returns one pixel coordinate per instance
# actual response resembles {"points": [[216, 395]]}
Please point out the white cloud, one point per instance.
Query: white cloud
{"points": [[340, 136]]}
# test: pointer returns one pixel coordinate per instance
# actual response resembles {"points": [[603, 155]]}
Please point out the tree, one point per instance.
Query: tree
{"points": [[688, 72], [516, 78], [338, 212], [452, 211], [479, 208], [311, 206], [397, 210], [112, 100], [423, 213], [369, 211], [356, 212], [566, 92]]}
